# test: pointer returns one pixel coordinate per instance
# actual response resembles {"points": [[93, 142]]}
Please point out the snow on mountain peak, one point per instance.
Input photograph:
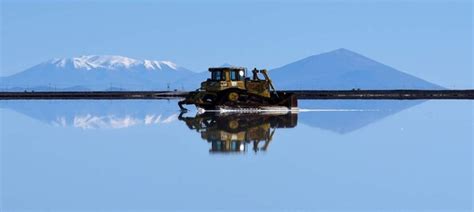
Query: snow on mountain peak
{"points": [[110, 62], [153, 64]]}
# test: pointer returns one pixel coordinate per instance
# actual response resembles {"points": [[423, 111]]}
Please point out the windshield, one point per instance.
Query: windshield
{"points": [[218, 75], [237, 75]]}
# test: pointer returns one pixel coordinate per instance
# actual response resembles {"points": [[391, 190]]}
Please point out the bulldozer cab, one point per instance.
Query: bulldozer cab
{"points": [[225, 77], [227, 74]]}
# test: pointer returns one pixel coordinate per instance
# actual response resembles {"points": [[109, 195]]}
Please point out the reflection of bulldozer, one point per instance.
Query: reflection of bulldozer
{"points": [[229, 87], [232, 132]]}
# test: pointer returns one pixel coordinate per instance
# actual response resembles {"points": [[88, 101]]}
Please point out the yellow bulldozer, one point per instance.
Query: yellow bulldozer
{"points": [[229, 87], [233, 132]]}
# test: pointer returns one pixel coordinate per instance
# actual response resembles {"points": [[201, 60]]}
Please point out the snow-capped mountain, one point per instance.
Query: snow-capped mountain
{"points": [[103, 72], [110, 62]]}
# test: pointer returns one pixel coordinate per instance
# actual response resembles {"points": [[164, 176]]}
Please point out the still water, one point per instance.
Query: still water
{"points": [[146, 156]]}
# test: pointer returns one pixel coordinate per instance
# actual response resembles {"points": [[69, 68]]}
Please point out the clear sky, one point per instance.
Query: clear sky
{"points": [[429, 39]]}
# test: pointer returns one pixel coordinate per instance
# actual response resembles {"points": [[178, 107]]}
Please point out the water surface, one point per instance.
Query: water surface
{"points": [[144, 155]]}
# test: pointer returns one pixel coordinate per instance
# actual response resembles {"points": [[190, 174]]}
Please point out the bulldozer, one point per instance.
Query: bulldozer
{"points": [[232, 133], [230, 88]]}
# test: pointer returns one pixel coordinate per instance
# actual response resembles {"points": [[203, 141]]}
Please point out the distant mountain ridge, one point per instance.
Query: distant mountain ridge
{"points": [[344, 69], [338, 69], [95, 72]]}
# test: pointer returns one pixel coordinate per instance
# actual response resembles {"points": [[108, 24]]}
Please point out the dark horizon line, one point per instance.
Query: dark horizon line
{"points": [[392, 94]]}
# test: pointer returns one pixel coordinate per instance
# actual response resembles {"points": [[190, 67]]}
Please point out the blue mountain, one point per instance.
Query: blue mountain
{"points": [[344, 69]]}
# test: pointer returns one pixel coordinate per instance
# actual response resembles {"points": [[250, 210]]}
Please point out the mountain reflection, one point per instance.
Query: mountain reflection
{"points": [[233, 132], [98, 114], [338, 116]]}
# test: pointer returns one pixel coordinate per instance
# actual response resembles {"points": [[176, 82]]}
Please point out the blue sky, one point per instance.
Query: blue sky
{"points": [[429, 39]]}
